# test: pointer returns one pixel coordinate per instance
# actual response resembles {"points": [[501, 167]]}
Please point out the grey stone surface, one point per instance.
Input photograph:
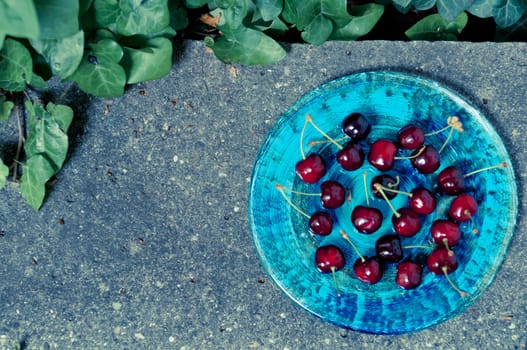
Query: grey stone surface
{"points": [[155, 251]]}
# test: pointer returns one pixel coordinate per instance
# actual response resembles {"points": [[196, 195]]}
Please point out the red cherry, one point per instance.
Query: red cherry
{"points": [[311, 169], [451, 180], [332, 195], [388, 248], [321, 223], [463, 208], [422, 201], [411, 137], [382, 154], [351, 157], [366, 219], [426, 160], [445, 231], [368, 270], [328, 258], [386, 181], [409, 275], [356, 126], [442, 261], [406, 222]]}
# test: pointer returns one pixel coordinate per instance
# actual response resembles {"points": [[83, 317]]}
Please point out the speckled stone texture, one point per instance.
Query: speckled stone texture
{"points": [[154, 250]]}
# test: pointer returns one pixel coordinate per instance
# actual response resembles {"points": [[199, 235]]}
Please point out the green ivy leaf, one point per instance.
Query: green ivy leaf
{"points": [[5, 108], [152, 61], [178, 15], [450, 9], [269, 9], [57, 18], [318, 31], [246, 46], [38, 82], [364, 19], [483, 8], [435, 27], [231, 18], [99, 72], [63, 55], [423, 5], [106, 13], [36, 172], [4, 172], [16, 66], [194, 4], [142, 17], [19, 19], [509, 12]]}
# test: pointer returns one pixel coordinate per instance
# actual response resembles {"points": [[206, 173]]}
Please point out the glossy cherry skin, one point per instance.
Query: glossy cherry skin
{"points": [[382, 154], [422, 201], [366, 219], [356, 126], [388, 248], [369, 270], [463, 208], [407, 224], [351, 157], [311, 169], [411, 137], [440, 258], [329, 258], [427, 161], [321, 223], [451, 180], [442, 230], [386, 181], [332, 195], [409, 275]]}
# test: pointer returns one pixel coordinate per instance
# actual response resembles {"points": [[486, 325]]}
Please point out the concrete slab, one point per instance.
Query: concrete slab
{"points": [[144, 241]]}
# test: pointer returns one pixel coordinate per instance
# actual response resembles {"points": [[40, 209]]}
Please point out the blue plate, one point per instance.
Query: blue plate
{"points": [[390, 100]]}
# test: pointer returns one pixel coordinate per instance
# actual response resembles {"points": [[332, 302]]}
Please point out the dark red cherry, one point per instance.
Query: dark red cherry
{"points": [[321, 223], [366, 219], [422, 201], [451, 180], [311, 169], [356, 126], [329, 258], [425, 161], [406, 223], [442, 230], [441, 258], [332, 195], [386, 181], [409, 275], [388, 248], [351, 157], [382, 154], [411, 137], [368, 270], [463, 208]]}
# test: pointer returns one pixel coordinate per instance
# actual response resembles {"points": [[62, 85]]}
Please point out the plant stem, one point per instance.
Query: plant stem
{"points": [[21, 140], [281, 190]]}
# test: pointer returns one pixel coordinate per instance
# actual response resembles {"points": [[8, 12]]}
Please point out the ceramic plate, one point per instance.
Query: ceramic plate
{"points": [[390, 100]]}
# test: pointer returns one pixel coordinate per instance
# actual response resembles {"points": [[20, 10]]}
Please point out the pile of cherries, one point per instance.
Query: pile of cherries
{"points": [[407, 221]]}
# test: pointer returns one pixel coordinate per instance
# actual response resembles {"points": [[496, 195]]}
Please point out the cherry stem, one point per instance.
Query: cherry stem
{"points": [[333, 272], [475, 229], [310, 120], [347, 239], [379, 188], [500, 165], [397, 191], [414, 156], [445, 272], [282, 191], [396, 183], [447, 140], [445, 243], [364, 175], [319, 142], [417, 247], [302, 139]]}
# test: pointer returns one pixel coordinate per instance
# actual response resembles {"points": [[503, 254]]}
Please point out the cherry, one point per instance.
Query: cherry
{"points": [[406, 222], [445, 233], [351, 157], [368, 270], [426, 160], [442, 262], [463, 208], [422, 201], [366, 219], [452, 181], [356, 126], [387, 182], [321, 223], [329, 258], [333, 194], [388, 248], [382, 154], [411, 137], [311, 169], [408, 275]]}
